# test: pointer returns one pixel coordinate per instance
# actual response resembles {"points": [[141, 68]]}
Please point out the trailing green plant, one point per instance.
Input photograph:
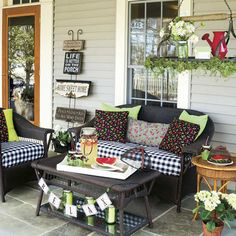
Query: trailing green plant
{"points": [[214, 65]]}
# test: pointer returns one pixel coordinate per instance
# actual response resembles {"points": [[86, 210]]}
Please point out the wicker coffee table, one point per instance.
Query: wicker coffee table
{"points": [[121, 193]]}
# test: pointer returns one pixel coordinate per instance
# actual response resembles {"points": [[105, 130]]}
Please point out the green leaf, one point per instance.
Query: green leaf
{"points": [[205, 215], [196, 209], [227, 223], [220, 207], [210, 226]]}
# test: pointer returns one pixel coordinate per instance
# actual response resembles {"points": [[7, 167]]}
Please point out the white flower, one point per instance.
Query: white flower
{"points": [[210, 205], [202, 195], [193, 39], [231, 199], [181, 30], [171, 25], [162, 33]]}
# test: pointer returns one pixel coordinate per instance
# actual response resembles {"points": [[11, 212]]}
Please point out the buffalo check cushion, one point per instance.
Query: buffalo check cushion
{"points": [[15, 153], [165, 162]]}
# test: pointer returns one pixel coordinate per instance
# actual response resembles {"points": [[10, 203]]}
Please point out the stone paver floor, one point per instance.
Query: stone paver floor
{"points": [[17, 217]]}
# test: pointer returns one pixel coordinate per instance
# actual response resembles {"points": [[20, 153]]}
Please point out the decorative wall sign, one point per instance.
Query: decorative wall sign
{"points": [[70, 115], [72, 88], [76, 45], [72, 63]]}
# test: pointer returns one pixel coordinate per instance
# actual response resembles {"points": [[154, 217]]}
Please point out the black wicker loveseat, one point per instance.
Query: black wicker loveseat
{"points": [[169, 187], [16, 156]]}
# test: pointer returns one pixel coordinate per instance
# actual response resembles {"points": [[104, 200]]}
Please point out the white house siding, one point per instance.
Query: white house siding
{"points": [[214, 95], [97, 20]]}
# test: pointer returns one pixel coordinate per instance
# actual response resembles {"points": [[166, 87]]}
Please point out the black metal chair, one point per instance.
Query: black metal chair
{"points": [[16, 157]]}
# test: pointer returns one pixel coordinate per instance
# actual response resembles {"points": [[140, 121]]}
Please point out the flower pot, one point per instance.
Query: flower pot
{"points": [[58, 147], [182, 49], [217, 231]]}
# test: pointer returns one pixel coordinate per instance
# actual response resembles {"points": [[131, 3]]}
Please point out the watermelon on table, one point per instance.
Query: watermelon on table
{"points": [[106, 160], [220, 155]]}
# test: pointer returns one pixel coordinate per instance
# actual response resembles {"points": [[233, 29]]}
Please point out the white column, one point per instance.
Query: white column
{"points": [[121, 52], [184, 79], [46, 63]]}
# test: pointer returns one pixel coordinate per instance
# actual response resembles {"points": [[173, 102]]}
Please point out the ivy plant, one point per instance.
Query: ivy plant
{"points": [[214, 65]]}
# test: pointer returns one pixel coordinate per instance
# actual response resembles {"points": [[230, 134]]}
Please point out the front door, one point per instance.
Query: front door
{"points": [[21, 42]]}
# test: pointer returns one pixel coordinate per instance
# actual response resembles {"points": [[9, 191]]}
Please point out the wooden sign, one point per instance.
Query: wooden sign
{"points": [[72, 63], [72, 88], [76, 45], [71, 115]]}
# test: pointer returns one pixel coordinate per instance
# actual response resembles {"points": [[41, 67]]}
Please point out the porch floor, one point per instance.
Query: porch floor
{"points": [[17, 217]]}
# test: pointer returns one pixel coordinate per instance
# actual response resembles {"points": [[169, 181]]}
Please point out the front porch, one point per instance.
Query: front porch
{"points": [[17, 217]]}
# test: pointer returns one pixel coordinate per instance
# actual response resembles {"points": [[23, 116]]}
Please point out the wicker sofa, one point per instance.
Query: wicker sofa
{"points": [[16, 157], [170, 187]]}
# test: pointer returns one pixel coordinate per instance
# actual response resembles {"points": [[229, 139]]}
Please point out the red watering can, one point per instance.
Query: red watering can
{"points": [[218, 46]]}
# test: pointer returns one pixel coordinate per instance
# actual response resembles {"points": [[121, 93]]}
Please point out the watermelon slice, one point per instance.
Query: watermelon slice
{"points": [[219, 157], [106, 160]]}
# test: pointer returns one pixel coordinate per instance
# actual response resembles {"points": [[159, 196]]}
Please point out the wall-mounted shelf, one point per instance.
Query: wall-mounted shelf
{"points": [[224, 68]]}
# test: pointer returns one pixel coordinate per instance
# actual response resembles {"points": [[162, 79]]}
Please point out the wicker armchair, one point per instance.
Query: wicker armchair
{"points": [[16, 157]]}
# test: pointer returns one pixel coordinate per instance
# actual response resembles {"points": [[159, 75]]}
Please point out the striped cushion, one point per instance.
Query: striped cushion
{"points": [[15, 153]]}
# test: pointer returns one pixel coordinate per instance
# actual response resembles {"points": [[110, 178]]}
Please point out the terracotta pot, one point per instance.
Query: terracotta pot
{"points": [[217, 232]]}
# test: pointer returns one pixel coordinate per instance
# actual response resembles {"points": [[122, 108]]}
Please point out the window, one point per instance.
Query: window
{"points": [[145, 21], [23, 1]]}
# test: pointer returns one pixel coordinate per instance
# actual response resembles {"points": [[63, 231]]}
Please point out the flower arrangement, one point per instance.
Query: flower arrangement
{"points": [[215, 208], [62, 136], [179, 30]]}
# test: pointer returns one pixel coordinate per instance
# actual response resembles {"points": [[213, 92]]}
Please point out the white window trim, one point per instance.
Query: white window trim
{"points": [[184, 80], [46, 63], [46, 59]]}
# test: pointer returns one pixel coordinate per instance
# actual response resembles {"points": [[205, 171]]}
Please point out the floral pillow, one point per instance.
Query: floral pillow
{"points": [[179, 134], [111, 126], [3, 128], [146, 133]]}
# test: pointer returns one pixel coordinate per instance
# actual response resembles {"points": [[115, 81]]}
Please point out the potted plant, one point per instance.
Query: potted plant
{"points": [[61, 140], [215, 209], [181, 32]]}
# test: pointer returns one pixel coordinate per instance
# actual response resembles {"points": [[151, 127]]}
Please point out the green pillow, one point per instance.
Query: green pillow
{"points": [[12, 136], [198, 120], [133, 111]]}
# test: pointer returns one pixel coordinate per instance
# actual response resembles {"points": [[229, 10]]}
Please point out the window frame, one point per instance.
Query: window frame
{"points": [[130, 67], [121, 55], [21, 3]]}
